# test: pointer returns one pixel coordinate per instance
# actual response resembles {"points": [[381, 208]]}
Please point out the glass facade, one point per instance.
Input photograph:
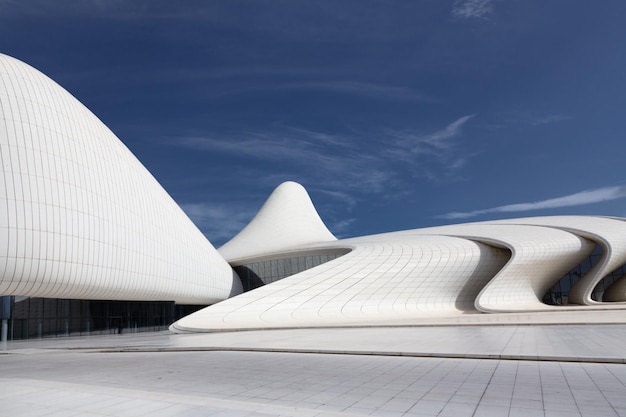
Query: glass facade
{"points": [[33, 317], [257, 274], [30, 317], [558, 294]]}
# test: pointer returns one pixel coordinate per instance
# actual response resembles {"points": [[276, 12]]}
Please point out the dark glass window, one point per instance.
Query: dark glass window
{"points": [[32, 317], [558, 294], [257, 274]]}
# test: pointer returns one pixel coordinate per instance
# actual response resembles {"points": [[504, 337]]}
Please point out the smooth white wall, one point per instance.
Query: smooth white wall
{"points": [[80, 217]]}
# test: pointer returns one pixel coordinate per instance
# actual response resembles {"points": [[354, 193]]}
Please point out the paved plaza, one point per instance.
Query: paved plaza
{"points": [[492, 369]]}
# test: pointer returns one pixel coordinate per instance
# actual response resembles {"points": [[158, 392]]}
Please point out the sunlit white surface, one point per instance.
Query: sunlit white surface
{"points": [[474, 268], [80, 217]]}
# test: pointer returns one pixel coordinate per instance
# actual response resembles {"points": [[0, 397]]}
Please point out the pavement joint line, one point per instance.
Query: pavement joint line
{"points": [[225, 403], [332, 327], [494, 356], [416, 325]]}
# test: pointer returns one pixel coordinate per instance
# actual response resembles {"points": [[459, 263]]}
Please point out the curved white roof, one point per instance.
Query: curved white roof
{"points": [[609, 233], [391, 278], [287, 220], [378, 282], [540, 257], [80, 217]]}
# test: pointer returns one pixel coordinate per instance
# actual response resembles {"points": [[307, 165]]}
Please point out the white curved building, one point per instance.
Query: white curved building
{"points": [[80, 217], [286, 221], [81, 220], [516, 265]]}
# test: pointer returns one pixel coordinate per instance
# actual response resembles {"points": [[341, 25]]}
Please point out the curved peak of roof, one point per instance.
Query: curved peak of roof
{"points": [[286, 220]]}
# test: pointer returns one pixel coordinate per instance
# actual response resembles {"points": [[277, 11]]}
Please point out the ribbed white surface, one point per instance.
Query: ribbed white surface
{"points": [[540, 257], [609, 233], [501, 266], [80, 217], [287, 220], [380, 281]]}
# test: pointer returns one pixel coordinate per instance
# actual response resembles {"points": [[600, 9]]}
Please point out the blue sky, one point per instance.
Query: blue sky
{"points": [[393, 114]]}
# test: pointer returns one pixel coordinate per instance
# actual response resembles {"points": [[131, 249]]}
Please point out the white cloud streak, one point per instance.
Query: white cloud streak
{"points": [[472, 9], [441, 138], [551, 118], [341, 226], [218, 221], [111, 9], [347, 200], [577, 199], [334, 164], [358, 88], [340, 159], [325, 158], [363, 89], [434, 155], [346, 170], [432, 143]]}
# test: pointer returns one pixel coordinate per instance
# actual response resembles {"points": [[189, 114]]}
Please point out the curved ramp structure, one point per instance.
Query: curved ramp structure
{"points": [[609, 233], [80, 217], [394, 278], [540, 256], [383, 280]]}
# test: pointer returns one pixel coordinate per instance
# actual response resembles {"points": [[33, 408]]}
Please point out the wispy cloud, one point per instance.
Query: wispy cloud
{"points": [[550, 118], [358, 88], [341, 226], [363, 89], [440, 139], [434, 155], [218, 221], [340, 159], [324, 158], [472, 9], [523, 118], [336, 165], [322, 20], [348, 201], [577, 199], [435, 142], [112, 9]]}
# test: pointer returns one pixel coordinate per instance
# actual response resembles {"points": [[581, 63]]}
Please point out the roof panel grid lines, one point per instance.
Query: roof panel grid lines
{"points": [[66, 173], [80, 217], [481, 268]]}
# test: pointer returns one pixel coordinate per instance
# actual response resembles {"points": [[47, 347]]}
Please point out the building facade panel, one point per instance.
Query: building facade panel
{"points": [[608, 233], [81, 217], [379, 281]]}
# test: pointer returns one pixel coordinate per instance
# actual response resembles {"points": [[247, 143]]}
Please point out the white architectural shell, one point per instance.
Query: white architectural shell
{"points": [[540, 256], [286, 221], [609, 233], [501, 266], [391, 278], [379, 281], [80, 217]]}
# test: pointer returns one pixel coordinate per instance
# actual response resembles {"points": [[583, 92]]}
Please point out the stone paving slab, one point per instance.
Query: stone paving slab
{"points": [[464, 370], [588, 343], [88, 383]]}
